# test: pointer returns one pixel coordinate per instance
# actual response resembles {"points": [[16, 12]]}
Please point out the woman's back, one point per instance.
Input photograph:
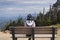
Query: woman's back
{"points": [[29, 23]]}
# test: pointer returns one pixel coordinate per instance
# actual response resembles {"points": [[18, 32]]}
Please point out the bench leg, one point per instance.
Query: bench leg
{"points": [[33, 34], [29, 39], [53, 33], [52, 38], [32, 38], [14, 38]]}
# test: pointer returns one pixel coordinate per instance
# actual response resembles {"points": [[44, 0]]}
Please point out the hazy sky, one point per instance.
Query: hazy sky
{"points": [[9, 8]]}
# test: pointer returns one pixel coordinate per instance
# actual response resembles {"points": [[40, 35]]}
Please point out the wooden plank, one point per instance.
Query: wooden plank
{"points": [[36, 35], [36, 28], [36, 31]]}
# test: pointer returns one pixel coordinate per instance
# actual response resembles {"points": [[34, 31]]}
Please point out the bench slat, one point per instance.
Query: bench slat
{"points": [[36, 35], [37, 30]]}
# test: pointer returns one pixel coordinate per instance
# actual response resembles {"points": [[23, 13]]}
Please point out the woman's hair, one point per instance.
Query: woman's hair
{"points": [[29, 17]]}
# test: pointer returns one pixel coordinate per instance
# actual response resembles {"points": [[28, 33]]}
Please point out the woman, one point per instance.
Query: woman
{"points": [[29, 23]]}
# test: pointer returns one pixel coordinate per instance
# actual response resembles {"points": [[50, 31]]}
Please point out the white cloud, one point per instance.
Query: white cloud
{"points": [[23, 10], [26, 9], [34, 2], [26, 1], [10, 9], [30, 1]]}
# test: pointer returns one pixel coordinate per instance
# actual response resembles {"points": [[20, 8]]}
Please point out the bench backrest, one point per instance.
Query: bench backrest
{"points": [[37, 30]]}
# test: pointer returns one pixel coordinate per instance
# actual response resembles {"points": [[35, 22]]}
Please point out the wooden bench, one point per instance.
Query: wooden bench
{"points": [[37, 32]]}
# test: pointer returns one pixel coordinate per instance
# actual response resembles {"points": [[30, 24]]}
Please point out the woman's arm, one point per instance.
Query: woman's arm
{"points": [[25, 24], [34, 24]]}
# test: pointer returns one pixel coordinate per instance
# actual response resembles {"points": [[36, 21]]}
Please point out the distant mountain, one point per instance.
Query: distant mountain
{"points": [[4, 20]]}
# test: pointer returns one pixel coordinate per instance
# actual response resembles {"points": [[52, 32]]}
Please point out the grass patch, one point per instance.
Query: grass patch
{"points": [[58, 25]]}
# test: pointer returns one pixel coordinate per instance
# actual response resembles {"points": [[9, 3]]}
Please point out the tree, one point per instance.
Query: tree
{"points": [[39, 19], [18, 22], [58, 16], [42, 20]]}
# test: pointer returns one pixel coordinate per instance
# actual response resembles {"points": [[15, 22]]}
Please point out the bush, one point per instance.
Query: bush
{"points": [[18, 22], [58, 26]]}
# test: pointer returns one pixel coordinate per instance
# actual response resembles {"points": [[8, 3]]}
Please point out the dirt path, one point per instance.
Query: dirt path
{"points": [[7, 36]]}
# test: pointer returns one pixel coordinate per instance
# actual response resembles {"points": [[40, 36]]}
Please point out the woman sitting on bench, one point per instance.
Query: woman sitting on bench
{"points": [[29, 23]]}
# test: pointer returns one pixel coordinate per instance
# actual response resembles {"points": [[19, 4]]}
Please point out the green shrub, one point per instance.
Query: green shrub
{"points": [[58, 25]]}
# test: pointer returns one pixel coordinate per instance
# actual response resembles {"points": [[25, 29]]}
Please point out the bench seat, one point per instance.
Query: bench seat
{"points": [[36, 35]]}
